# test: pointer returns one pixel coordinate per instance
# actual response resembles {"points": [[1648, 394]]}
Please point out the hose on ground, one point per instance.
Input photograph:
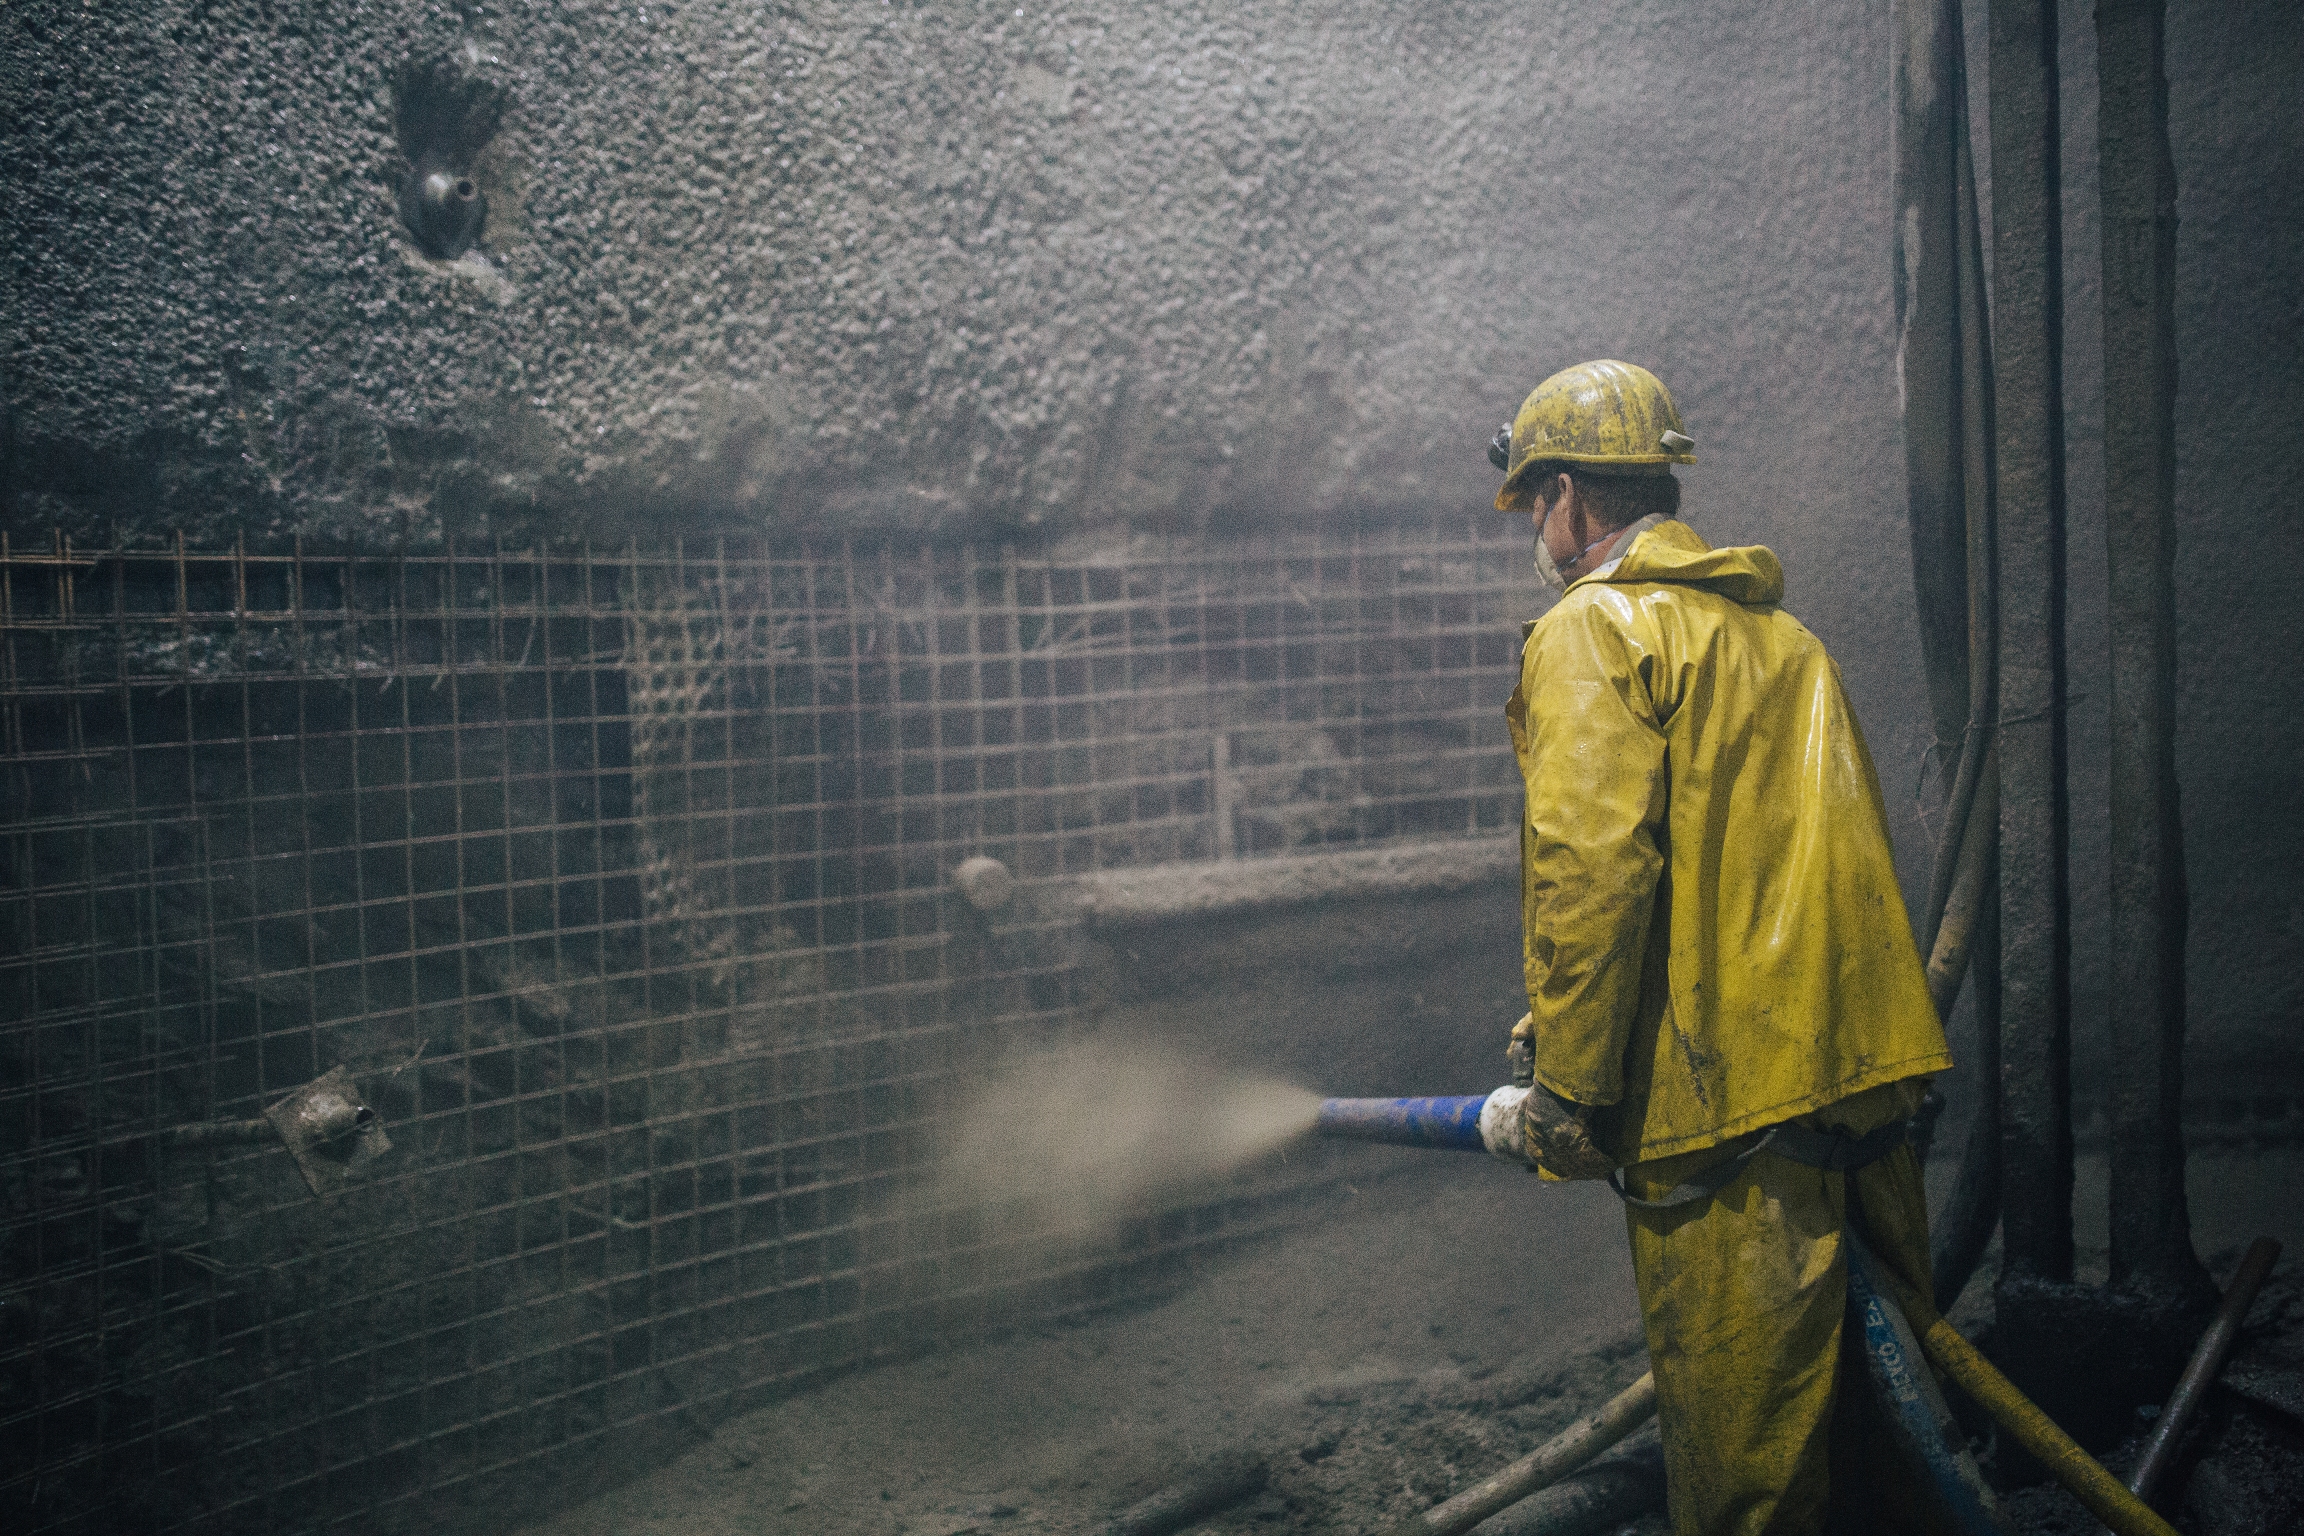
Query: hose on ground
{"points": [[1961, 1363]]}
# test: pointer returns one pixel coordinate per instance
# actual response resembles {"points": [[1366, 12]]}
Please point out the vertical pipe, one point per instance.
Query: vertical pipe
{"points": [[2151, 1230], [1959, 1236], [2035, 1164], [1945, 385], [1929, 91]]}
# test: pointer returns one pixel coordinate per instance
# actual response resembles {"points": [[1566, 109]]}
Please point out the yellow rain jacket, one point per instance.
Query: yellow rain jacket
{"points": [[1714, 936]]}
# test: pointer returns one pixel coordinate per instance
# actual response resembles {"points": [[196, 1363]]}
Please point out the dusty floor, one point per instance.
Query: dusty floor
{"points": [[1412, 1336], [1453, 1269]]}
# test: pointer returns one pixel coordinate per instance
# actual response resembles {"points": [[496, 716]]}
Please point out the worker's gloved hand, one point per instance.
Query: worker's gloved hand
{"points": [[1553, 1132], [1521, 1053]]}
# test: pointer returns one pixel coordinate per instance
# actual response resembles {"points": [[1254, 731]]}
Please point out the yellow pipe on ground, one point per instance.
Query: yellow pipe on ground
{"points": [[1961, 1363]]}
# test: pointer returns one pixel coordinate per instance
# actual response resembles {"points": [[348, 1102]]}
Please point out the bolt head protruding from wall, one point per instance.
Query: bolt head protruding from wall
{"points": [[445, 118], [985, 882]]}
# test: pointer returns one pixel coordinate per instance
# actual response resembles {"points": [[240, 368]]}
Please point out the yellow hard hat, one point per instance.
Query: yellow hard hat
{"points": [[1616, 417]]}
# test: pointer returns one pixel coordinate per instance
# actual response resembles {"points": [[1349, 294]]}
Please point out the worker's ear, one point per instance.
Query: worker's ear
{"points": [[1571, 512]]}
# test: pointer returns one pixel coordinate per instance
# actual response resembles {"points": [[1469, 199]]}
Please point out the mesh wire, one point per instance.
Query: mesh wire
{"points": [[620, 882]]}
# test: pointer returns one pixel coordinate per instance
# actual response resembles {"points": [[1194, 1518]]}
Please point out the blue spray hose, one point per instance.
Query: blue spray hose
{"points": [[1474, 1122], [1918, 1419]]}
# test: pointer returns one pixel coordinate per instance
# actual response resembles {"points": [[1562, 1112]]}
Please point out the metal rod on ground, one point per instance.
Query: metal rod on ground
{"points": [[1600, 1498], [1547, 1464], [1218, 1485], [2200, 1373]]}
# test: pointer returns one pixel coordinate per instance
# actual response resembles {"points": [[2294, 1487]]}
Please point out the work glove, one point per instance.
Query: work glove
{"points": [[1552, 1129], [1556, 1139]]}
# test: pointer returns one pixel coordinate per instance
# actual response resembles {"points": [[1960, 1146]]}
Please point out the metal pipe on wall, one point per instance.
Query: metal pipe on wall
{"points": [[1962, 1232], [1944, 364], [2150, 1225], [2035, 1150]]}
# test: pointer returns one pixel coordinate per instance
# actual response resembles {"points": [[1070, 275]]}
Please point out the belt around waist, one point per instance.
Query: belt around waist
{"points": [[1834, 1150]]}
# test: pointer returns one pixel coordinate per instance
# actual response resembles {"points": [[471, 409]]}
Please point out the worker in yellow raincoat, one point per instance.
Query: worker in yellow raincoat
{"points": [[1729, 1017]]}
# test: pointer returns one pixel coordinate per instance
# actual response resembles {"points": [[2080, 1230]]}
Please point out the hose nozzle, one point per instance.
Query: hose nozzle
{"points": [[1457, 1123]]}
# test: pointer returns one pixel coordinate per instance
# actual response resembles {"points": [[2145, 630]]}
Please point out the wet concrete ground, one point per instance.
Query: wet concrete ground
{"points": [[1408, 1338]]}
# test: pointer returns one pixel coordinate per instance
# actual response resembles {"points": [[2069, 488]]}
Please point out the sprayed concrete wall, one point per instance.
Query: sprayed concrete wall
{"points": [[2239, 149], [1376, 972], [936, 266], [985, 268]]}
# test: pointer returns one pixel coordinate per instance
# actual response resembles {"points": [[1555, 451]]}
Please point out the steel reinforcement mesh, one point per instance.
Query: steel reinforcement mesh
{"points": [[621, 884]]}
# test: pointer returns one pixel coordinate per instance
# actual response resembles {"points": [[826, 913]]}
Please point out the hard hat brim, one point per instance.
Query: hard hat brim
{"points": [[1514, 495]]}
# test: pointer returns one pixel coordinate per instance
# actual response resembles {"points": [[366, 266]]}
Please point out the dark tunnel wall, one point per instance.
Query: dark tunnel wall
{"points": [[974, 268], [2233, 71]]}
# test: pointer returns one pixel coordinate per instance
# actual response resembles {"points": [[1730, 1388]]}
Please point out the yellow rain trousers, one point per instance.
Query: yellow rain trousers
{"points": [[1769, 1423], [1715, 943]]}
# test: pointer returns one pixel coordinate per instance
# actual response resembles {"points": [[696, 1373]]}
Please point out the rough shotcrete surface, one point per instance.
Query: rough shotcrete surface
{"points": [[971, 267], [962, 268], [961, 265]]}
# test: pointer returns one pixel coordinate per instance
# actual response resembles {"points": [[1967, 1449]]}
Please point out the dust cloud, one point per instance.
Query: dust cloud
{"points": [[1078, 1137]]}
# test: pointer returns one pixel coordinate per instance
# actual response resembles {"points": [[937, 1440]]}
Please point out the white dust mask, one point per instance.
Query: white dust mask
{"points": [[1547, 569]]}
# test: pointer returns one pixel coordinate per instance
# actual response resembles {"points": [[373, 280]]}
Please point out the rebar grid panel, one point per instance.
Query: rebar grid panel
{"points": [[619, 881]]}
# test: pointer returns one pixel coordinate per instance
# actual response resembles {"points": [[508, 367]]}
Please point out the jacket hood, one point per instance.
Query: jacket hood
{"points": [[1671, 551]]}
